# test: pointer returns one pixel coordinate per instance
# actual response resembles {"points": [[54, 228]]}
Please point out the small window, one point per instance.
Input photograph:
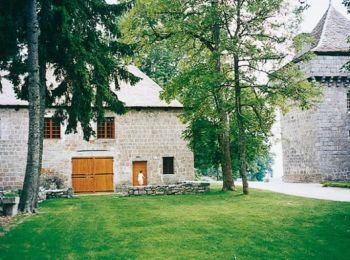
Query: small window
{"points": [[52, 129], [348, 101], [106, 129], [168, 165]]}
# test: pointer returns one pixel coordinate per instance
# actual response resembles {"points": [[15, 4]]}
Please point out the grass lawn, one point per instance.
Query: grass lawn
{"points": [[216, 225]]}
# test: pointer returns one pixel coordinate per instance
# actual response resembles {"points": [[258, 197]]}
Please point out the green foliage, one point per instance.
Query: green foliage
{"points": [[79, 43], [160, 64], [202, 35], [261, 168], [302, 40], [183, 227], [339, 184], [202, 136], [11, 194]]}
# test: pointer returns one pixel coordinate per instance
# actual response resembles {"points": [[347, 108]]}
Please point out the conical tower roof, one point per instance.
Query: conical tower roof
{"points": [[331, 33]]}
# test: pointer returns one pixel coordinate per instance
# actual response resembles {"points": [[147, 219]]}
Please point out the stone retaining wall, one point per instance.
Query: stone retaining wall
{"points": [[52, 194], [173, 189]]}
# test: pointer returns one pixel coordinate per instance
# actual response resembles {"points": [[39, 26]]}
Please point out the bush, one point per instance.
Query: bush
{"points": [[11, 194], [338, 184], [51, 180]]}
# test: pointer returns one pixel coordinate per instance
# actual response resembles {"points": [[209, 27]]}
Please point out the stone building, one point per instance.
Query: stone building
{"points": [[316, 143], [147, 140]]}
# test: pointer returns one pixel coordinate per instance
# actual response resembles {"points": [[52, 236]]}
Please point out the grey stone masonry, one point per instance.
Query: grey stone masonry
{"points": [[326, 66], [145, 134], [173, 189], [316, 142]]}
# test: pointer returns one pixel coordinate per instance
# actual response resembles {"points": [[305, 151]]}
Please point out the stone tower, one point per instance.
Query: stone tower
{"points": [[316, 143]]}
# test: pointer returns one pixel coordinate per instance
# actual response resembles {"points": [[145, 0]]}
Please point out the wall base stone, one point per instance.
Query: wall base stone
{"points": [[173, 189], [53, 194], [303, 178]]}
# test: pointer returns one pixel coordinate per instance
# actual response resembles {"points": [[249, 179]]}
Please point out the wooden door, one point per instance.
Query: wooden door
{"points": [[92, 174], [138, 167]]}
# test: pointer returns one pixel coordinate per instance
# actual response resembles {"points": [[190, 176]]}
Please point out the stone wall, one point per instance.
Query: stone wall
{"points": [[141, 135], [322, 65], [316, 143], [334, 134], [13, 147], [300, 153], [173, 189]]}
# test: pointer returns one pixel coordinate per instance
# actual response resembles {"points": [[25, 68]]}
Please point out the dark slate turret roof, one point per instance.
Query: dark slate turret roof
{"points": [[332, 33]]}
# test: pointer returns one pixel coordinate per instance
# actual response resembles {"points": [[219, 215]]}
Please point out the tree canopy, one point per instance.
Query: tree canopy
{"points": [[79, 44], [235, 67]]}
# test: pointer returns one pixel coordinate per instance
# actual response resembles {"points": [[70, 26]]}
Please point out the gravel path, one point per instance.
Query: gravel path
{"points": [[308, 190]]}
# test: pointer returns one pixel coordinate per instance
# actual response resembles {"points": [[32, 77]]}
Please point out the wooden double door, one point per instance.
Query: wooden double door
{"points": [[94, 174]]}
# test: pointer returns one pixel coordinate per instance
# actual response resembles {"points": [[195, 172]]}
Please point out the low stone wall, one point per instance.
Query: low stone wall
{"points": [[52, 194], [173, 189]]}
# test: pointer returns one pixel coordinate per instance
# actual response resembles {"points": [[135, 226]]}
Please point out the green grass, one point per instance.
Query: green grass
{"points": [[339, 184], [217, 225]]}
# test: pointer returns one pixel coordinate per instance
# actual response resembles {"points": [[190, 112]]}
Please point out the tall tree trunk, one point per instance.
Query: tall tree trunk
{"points": [[224, 137], [226, 163], [242, 148], [29, 191], [42, 76], [42, 70]]}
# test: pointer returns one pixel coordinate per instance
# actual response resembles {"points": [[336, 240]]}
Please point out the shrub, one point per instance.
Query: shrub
{"points": [[51, 180], [11, 194], [338, 184]]}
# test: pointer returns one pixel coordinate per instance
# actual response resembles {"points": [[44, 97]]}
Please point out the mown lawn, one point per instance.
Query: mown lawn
{"points": [[217, 225]]}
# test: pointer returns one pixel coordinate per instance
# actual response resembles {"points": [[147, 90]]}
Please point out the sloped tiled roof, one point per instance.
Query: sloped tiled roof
{"points": [[332, 33], [145, 93]]}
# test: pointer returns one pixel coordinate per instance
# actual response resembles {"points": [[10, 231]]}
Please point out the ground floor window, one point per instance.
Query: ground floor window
{"points": [[52, 129], [168, 165]]}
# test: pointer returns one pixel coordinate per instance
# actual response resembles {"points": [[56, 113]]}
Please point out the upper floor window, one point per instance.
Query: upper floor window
{"points": [[348, 101], [106, 128], [52, 129], [168, 165]]}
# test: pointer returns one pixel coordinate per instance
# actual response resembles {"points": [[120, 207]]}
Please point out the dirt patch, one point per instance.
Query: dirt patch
{"points": [[4, 224]]}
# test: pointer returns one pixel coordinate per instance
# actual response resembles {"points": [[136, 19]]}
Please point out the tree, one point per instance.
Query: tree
{"points": [[200, 61], [28, 196], [233, 68], [160, 64], [79, 44]]}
